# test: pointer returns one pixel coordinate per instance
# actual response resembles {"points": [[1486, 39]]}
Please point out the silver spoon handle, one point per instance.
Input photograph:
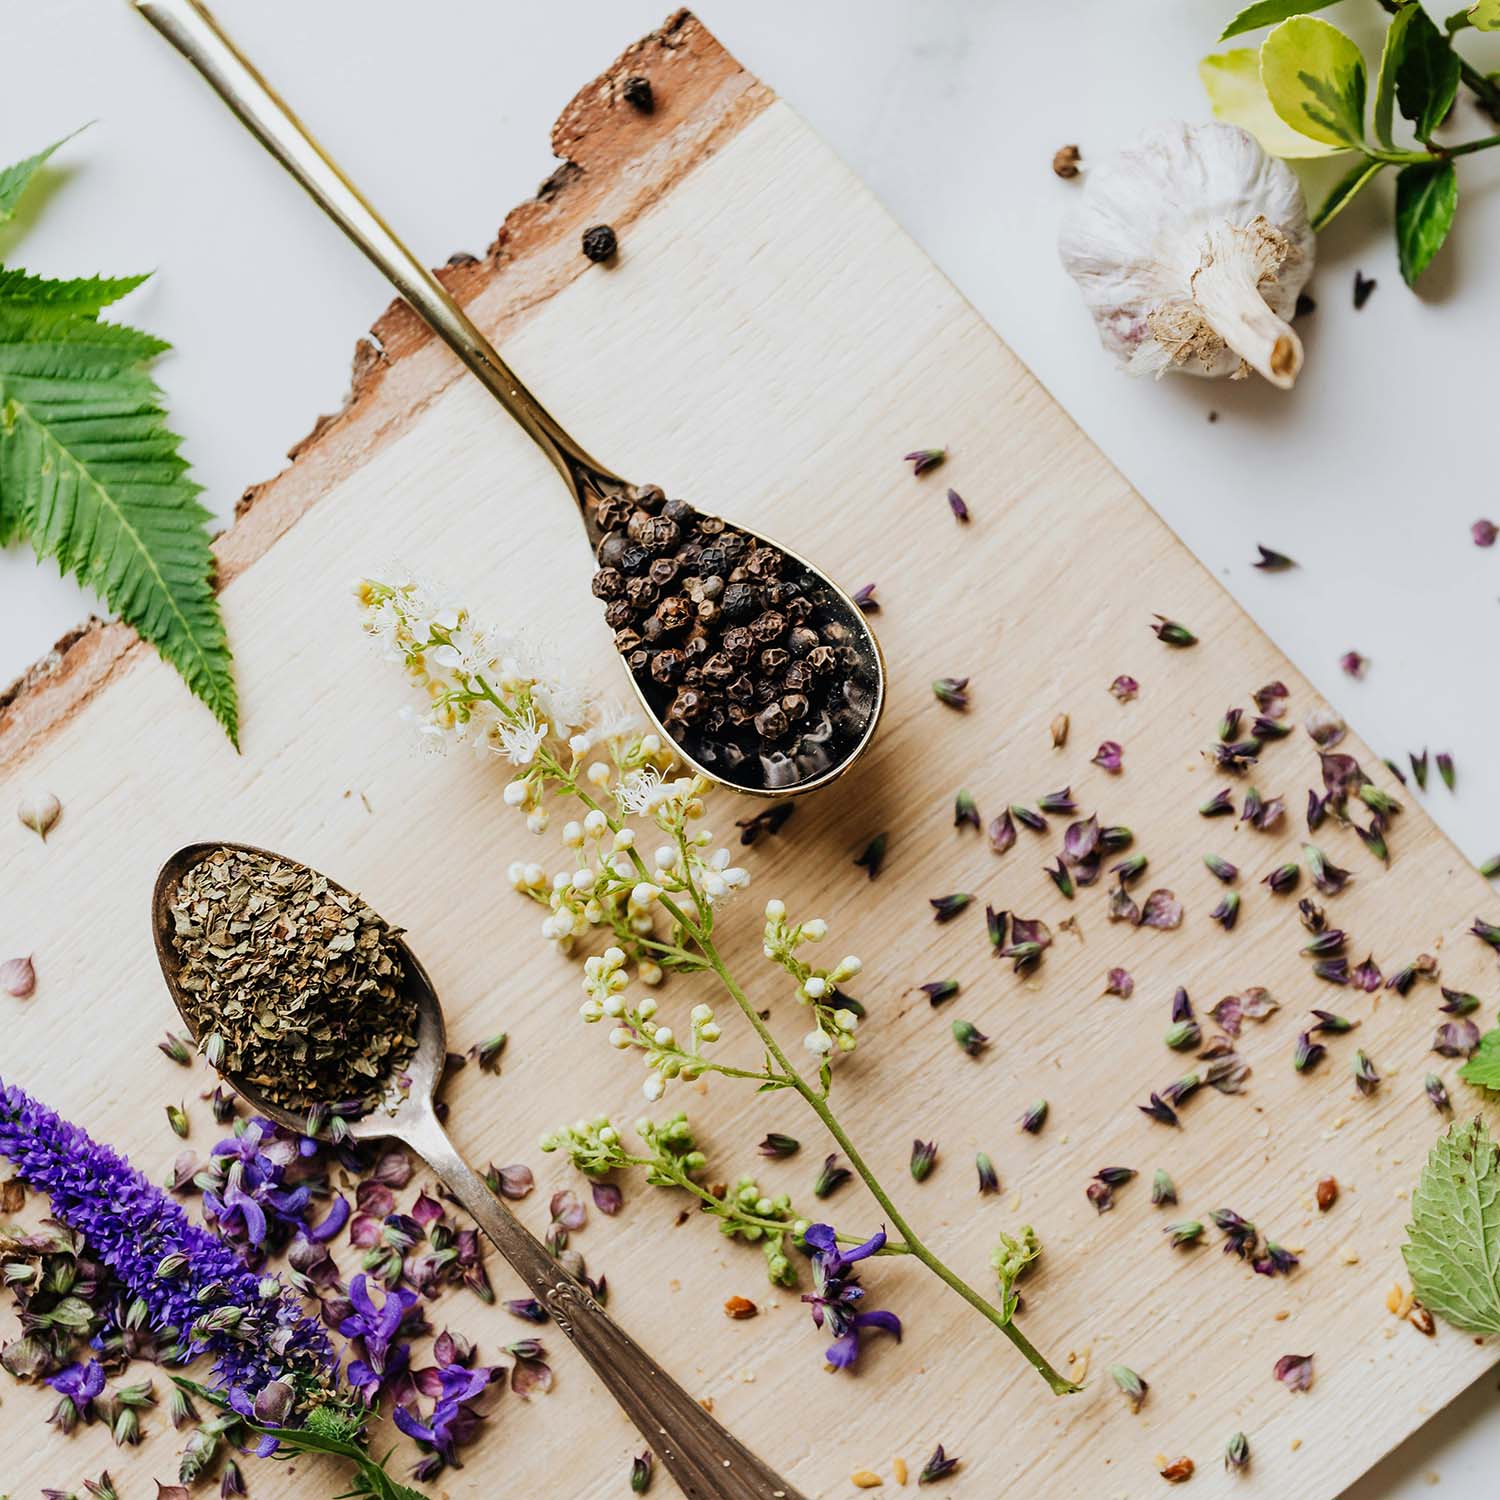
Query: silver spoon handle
{"points": [[193, 31], [705, 1460]]}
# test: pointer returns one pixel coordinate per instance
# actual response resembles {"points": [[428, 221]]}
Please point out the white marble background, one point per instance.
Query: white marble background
{"points": [[1370, 473]]}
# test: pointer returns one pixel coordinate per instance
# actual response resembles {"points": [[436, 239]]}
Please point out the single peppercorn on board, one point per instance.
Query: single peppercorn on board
{"points": [[767, 344]]}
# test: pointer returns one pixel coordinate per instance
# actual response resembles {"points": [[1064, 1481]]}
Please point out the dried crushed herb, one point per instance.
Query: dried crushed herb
{"points": [[871, 858], [1271, 561], [924, 459], [298, 985], [957, 506]]}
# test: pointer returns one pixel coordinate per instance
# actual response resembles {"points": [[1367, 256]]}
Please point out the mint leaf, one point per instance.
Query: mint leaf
{"points": [[1316, 80], [1426, 200], [1427, 76], [1343, 191], [1453, 1241], [14, 179], [90, 472], [1268, 13], [1483, 1068]]}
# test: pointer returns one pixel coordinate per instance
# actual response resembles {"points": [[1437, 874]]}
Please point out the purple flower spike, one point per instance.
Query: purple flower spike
{"points": [[1111, 756], [837, 1294]]}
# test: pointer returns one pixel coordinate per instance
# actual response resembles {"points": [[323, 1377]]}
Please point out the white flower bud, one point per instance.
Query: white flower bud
{"points": [[663, 1036], [535, 875], [775, 910], [846, 1020], [572, 834], [614, 1005], [591, 1010], [649, 973], [583, 880], [848, 967], [710, 1031], [653, 1088], [646, 1009], [537, 821], [620, 1037], [644, 893], [818, 1043], [735, 877], [665, 857], [815, 930], [702, 1013], [595, 823], [814, 987], [714, 887], [516, 873], [650, 744], [613, 956], [516, 793], [579, 744], [625, 839], [598, 773]]}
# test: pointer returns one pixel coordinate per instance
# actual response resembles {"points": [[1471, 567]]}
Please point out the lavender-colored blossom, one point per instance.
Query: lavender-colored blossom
{"points": [[76, 1385], [250, 1325], [1110, 756], [837, 1294], [454, 1419], [380, 1353]]}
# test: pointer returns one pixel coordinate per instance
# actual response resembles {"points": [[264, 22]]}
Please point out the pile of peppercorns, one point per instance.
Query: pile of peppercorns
{"points": [[745, 655]]}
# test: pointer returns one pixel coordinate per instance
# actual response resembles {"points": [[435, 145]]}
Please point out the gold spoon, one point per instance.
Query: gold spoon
{"points": [[705, 1460], [818, 756]]}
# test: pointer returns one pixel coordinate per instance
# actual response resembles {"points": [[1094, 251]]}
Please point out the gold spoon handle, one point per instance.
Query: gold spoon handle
{"points": [[705, 1460], [193, 31]]}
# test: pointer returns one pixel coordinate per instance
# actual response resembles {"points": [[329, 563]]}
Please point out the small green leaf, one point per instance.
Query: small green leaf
{"points": [[14, 179], [1232, 82], [1483, 1068], [83, 297], [1453, 1241], [1385, 80], [1485, 15], [1315, 77], [1343, 191], [1426, 200], [1427, 74], [1268, 13]]}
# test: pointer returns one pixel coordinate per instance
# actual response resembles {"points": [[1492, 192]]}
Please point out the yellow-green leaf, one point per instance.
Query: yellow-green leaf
{"points": [[1232, 82], [1315, 77], [1483, 1068], [1385, 79], [1485, 15]]}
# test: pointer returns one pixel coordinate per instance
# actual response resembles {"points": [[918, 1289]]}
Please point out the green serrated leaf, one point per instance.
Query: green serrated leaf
{"points": [[1483, 1068], [1427, 73], [1453, 1241], [1343, 191], [84, 296], [1315, 77], [1426, 200], [14, 179], [1232, 82], [90, 472], [1268, 13], [1485, 15]]}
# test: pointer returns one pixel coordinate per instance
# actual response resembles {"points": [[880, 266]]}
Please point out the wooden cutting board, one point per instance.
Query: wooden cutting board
{"points": [[770, 344]]}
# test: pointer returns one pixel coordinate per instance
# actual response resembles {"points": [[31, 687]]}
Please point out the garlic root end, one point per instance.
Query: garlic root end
{"points": [[1226, 289]]}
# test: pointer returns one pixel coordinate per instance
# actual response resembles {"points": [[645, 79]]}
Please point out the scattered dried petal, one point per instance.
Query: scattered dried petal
{"points": [[1111, 756], [1327, 1193], [18, 977], [865, 600], [1178, 1471], [1220, 805], [1221, 869], [957, 506], [1118, 982], [1035, 1117], [1325, 727], [739, 1308], [1163, 1189], [1484, 533], [939, 1466], [1366, 976], [1162, 909], [1061, 803], [1059, 731], [1240, 1235], [1445, 768], [945, 908], [965, 810], [1456, 1039], [954, 691], [1419, 768], [923, 459], [39, 811], [832, 1177], [1335, 1025], [1353, 664], [1327, 876], [939, 990], [1173, 633], [1227, 912], [1295, 1371], [1125, 688], [989, 1181], [1061, 878], [778, 1146], [1437, 1091], [1027, 818], [1366, 1079], [1308, 1053], [970, 1037], [1184, 1232], [1237, 1452], [872, 857], [1272, 562], [1271, 699], [923, 1158]]}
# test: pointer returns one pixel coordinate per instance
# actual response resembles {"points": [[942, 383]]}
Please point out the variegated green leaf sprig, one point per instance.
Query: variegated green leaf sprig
{"points": [[1306, 92]]}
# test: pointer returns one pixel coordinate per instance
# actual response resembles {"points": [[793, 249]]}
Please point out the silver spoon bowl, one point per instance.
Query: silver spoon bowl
{"points": [[832, 741], [705, 1460]]}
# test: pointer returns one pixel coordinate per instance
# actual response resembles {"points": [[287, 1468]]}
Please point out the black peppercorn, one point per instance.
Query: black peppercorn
{"points": [[612, 512], [718, 668], [771, 723], [608, 583], [646, 496], [764, 562], [712, 560], [822, 659], [634, 560], [739, 713], [738, 601], [799, 678], [773, 660], [619, 613], [639, 660], [600, 242], [679, 511], [710, 525], [663, 570], [768, 627], [698, 648], [794, 706], [636, 91], [802, 640], [675, 613], [642, 592], [667, 665], [738, 643], [626, 641], [799, 609], [740, 689], [687, 707]]}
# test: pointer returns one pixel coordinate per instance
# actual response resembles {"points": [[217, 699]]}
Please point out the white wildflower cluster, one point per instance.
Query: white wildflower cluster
{"points": [[834, 1015], [635, 1025]]}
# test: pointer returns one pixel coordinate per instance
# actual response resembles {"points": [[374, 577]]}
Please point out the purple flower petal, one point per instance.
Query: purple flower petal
{"points": [[608, 1198], [331, 1222], [1124, 688], [1484, 533], [1162, 909], [529, 1376], [567, 1210], [1111, 756], [1295, 1371]]}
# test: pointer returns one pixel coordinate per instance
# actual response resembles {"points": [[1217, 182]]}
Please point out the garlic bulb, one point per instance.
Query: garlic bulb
{"points": [[1190, 249]]}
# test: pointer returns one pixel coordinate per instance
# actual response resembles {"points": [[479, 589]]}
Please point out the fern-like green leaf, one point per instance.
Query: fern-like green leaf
{"points": [[83, 297], [14, 179], [90, 472]]}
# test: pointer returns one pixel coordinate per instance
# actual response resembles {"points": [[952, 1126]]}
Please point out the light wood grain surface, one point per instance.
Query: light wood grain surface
{"points": [[769, 345]]}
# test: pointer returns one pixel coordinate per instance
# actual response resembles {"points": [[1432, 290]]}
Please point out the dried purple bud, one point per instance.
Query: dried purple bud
{"points": [[1184, 1232], [1459, 1002], [939, 1466], [1173, 633], [1366, 1079], [1237, 1452], [1327, 943], [923, 1158], [640, 1473], [1163, 1189], [1332, 970], [1373, 839], [1162, 910], [1295, 1371], [1118, 982], [1272, 562], [527, 1308], [945, 908], [831, 1178], [1221, 869], [1115, 837], [1032, 820], [1484, 533], [1229, 725], [1227, 912], [996, 924], [1271, 699], [1327, 876], [1124, 688], [1486, 932], [1308, 1053], [1277, 1261], [1236, 757], [1354, 664], [1129, 870], [1061, 878], [777, 1145], [1002, 832], [965, 810], [970, 1037], [18, 977], [1395, 770], [872, 857], [1180, 1090], [1333, 1024], [1182, 1036], [175, 1047], [938, 990], [1060, 803], [989, 1182], [1220, 805], [1317, 810], [1265, 728], [1419, 769], [1437, 1092], [923, 459], [1423, 966], [487, 1053], [1158, 1109], [178, 1120], [1324, 727], [1456, 1039], [865, 600], [954, 691], [1260, 814], [1366, 976], [1035, 1117], [1445, 769], [1312, 915], [1132, 1387], [1240, 1235], [957, 506], [1378, 801]]}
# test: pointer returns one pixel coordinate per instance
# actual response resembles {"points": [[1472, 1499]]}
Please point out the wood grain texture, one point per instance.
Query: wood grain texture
{"points": [[770, 354]]}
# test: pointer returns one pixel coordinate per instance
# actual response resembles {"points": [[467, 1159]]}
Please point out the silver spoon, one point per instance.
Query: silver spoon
{"points": [[705, 1460], [832, 742]]}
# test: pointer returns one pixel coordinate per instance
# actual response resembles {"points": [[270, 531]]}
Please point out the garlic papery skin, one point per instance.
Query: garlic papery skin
{"points": [[1190, 249]]}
